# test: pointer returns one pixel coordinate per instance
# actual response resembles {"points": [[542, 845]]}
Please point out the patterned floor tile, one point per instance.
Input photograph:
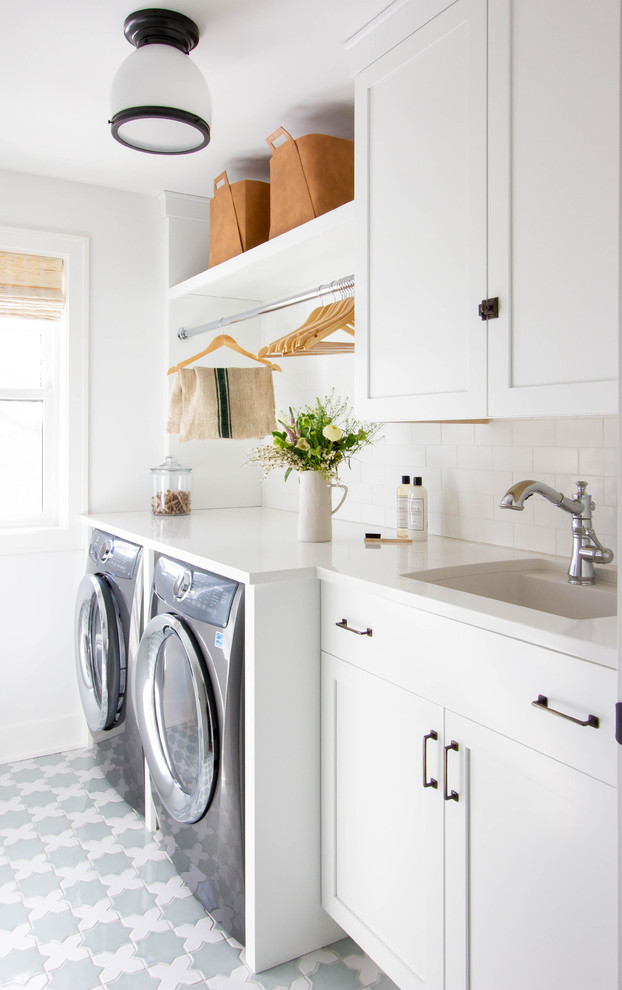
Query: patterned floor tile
{"points": [[89, 899], [135, 981], [20, 965], [280, 978], [55, 927], [82, 973], [219, 958], [160, 947], [334, 976]]}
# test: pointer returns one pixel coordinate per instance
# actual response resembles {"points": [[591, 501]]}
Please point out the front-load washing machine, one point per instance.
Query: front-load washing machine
{"points": [[108, 626], [188, 698]]}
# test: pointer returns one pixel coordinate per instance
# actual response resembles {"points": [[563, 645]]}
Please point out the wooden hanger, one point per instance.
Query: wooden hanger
{"points": [[223, 340], [338, 316], [327, 317], [307, 338]]}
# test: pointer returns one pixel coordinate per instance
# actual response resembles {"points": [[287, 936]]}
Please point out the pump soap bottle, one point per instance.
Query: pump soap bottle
{"points": [[417, 511], [403, 492]]}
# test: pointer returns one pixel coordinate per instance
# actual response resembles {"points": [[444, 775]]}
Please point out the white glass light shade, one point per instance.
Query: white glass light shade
{"points": [[150, 80]]}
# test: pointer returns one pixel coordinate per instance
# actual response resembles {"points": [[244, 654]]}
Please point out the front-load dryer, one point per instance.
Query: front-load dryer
{"points": [[188, 697], [108, 626]]}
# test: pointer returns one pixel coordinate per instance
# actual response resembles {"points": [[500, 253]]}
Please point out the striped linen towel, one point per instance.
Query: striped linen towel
{"points": [[221, 403]]}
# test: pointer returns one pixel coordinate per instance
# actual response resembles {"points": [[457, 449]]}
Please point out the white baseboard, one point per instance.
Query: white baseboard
{"points": [[54, 735]]}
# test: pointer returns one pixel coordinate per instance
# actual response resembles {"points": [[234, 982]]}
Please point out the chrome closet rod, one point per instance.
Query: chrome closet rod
{"points": [[345, 286]]}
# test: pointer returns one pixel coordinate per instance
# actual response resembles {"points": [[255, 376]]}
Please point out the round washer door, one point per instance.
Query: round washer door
{"points": [[176, 715], [100, 652]]}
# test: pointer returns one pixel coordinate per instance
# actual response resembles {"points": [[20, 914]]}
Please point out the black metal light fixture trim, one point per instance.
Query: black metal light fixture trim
{"points": [[164, 72], [165, 113], [153, 26]]}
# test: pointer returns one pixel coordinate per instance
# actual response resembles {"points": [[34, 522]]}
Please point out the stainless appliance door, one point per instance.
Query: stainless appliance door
{"points": [[100, 652], [176, 715]]}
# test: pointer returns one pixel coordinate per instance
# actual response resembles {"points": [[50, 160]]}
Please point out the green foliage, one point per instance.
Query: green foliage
{"points": [[319, 438]]}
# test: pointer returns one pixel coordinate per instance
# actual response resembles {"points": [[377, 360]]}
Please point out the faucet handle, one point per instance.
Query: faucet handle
{"points": [[583, 496]]}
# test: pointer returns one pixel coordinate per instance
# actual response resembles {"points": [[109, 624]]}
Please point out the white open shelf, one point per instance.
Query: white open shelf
{"points": [[314, 253]]}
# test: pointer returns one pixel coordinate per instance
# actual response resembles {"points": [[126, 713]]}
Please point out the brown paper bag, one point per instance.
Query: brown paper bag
{"points": [[239, 217], [308, 177]]}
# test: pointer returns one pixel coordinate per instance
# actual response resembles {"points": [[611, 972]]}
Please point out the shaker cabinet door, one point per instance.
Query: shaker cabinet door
{"points": [[382, 872], [530, 852], [553, 206], [421, 189]]}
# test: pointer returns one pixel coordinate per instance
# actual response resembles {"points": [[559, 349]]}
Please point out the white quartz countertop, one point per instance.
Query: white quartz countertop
{"points": [[255, 545]]}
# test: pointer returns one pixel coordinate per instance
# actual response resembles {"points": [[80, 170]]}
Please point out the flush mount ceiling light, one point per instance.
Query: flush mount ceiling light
{"points": [[160, 102]]}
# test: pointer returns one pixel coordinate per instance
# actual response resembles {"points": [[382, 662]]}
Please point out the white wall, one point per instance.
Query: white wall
{"points": [[39, 706], [465, 467]]}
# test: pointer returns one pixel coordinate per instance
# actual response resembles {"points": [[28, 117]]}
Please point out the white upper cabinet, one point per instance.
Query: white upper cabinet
{"points": [[553, 113], [487, 167]]}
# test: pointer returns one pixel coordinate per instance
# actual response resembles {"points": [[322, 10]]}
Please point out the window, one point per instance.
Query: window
{"points": [[43, 278]]}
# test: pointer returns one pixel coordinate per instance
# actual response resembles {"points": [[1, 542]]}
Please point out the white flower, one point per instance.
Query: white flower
{"points": [[332, 432]]}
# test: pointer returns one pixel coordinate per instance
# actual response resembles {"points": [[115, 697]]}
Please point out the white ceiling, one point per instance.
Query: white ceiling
{"points": [[267, 62]]}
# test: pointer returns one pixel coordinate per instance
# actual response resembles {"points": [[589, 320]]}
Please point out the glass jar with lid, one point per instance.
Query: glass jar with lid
{"points": [[172, 485]]}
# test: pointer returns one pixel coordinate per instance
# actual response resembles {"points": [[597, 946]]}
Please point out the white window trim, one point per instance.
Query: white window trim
{"points": [[72, 433]]}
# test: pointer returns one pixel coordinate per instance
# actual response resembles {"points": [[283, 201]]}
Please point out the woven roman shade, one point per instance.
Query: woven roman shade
{"points": [[31, 285]]}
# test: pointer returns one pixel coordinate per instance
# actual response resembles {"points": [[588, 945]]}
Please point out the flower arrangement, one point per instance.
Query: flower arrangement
{"points": [[319, 438]]}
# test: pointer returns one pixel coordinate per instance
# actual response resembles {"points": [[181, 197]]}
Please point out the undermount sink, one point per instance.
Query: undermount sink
{"points": [[536, 584]]}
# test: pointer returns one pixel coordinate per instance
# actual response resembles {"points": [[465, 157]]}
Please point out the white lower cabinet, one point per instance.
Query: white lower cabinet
{"points": [[383, 851], [530, 878], [458, 857]]}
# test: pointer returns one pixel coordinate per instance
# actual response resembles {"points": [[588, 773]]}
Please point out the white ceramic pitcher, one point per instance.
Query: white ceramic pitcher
{"points": [[315, 512]]}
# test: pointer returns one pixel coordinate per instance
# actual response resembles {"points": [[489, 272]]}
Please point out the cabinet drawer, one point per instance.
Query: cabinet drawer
{"points": [[489, 678], [363, 629]]}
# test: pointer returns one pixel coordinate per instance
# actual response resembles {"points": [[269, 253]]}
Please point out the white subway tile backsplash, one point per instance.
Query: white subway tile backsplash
{"points": [[496, 433], [598, 460], [468, 467], [427, 433], [561, 460], [610, 491], [533, 432], [375, 474], [412, 458], [459, 528], [478, 482], [610, 431], [475, 458], [579, 432], [537, 538], [606, 519], [441, 456], [446, 503], [512, 459], [476, 506], [458, 433], [397, 433], [499, 533]]}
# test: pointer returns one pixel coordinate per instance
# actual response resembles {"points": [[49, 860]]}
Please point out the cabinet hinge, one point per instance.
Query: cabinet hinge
{"points": [[619, 722], [489, 308]]}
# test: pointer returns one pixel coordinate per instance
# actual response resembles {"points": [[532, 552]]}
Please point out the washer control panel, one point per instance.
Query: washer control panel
{"points": [[113, 555], [197, 594]]}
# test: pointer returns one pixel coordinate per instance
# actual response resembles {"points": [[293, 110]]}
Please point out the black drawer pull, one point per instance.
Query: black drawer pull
{"points": [[447, 794], [543, 702], [432, 734], [358, 632]]}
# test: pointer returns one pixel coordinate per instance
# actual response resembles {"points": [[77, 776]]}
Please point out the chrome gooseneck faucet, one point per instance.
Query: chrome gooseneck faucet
{"points": [[587, 550]]}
